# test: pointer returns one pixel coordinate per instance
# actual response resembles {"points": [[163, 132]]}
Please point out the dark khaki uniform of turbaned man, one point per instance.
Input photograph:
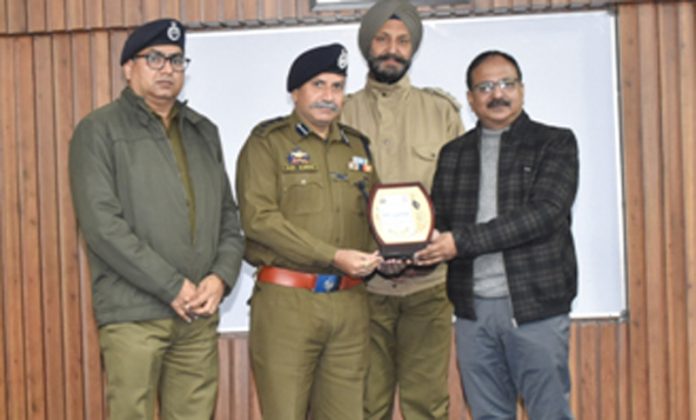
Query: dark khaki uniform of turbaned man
{"points": [[155, 206], [410, 315], [302, 181]]}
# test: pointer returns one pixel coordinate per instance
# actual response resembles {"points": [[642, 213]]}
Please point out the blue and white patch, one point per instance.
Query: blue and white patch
{"points": [[360, 164], [298, 160]]}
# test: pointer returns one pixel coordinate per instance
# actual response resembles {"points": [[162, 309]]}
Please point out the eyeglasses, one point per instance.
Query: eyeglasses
{"points": [[503, 84], [156, 60]]}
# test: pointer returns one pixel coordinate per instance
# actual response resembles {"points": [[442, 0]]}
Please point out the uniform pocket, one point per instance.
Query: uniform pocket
{"points": [[427, 152], [302, 195]]}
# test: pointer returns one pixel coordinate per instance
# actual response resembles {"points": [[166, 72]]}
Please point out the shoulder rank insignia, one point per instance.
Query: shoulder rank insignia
{"points": [[265, 127], [359, 164], [444, 94], [299, 160]]}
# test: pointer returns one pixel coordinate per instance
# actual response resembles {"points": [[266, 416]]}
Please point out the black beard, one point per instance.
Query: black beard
{"points": [[387, 76]]}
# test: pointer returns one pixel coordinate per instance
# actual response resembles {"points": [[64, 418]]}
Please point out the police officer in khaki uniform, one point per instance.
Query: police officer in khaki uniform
{"points": [[302, 182], [411, 318]]}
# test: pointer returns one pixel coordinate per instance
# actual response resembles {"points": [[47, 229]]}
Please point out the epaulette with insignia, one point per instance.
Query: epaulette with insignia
{"points": [[444, 94], [352, 131], [265, 127]]}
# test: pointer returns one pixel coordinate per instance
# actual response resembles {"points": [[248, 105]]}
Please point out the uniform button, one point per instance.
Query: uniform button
{"points": [[303, 182], [338, 209]]}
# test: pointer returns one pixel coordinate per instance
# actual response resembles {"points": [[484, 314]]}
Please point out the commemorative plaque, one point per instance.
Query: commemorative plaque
{"points": [[401, 217]]}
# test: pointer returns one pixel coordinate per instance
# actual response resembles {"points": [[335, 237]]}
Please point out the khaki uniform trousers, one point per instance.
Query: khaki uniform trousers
{"points": [[168, 359], [309, 352], [410, 341]]}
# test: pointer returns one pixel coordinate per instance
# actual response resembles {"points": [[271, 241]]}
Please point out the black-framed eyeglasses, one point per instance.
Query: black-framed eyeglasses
{"points": [[503, 84], [156, 60]]}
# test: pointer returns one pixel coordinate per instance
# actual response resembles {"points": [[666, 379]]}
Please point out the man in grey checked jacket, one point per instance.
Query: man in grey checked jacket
{"points": [[503, 194]]}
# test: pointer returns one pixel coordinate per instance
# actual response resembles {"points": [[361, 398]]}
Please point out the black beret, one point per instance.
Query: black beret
{"points": [[157, 32], [332, 58]]}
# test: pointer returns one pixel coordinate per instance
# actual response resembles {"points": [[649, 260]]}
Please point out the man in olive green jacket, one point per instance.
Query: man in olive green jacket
{"points": [[155, 207], [410, 315]]}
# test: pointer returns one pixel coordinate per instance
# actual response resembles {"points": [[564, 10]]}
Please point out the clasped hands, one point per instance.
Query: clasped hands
{"points": [[193, 302], [361, 264]]}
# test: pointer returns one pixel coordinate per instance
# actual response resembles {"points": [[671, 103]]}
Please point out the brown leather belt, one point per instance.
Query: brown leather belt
{"points": [[319, 283]]}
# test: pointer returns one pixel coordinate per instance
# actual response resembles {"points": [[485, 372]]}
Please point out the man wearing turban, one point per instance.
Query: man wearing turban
{"points": [[411, 317]]}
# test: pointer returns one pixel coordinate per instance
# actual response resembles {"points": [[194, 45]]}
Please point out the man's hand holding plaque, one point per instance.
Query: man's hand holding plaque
{"points": [[402, 218], [441, 248]]}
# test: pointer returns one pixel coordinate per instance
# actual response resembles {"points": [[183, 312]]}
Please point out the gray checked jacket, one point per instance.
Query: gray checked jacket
{"points": [[537, 184]]}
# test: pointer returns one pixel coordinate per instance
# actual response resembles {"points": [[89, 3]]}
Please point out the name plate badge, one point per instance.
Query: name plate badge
{"points": [[402, 218]]}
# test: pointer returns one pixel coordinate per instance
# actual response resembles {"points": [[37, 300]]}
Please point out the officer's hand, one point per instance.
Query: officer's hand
{"points": [[392, 267], [186, 294], [356, 263], [208, 296], [441, 248]]}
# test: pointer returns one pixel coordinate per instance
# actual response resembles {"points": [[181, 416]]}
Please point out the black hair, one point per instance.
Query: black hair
{"points": [[483, 57]]}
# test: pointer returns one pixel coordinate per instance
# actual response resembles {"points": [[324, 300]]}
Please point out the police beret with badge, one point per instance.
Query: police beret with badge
{"points": [[156, 32], [332, 58]]}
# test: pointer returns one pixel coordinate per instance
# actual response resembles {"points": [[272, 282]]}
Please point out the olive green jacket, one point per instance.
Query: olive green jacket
{"points": [[406, 126], [302, 198], [132, 209]]}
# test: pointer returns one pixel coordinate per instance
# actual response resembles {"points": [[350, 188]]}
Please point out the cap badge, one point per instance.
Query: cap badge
{"points": [[342, 62], [173, 32]]}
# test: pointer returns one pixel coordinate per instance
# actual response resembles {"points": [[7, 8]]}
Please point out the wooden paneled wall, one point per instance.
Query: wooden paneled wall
{"points": [[35, 16], [60, 60]]}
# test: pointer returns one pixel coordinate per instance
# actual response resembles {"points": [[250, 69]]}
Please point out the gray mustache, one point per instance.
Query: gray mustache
{"points": [[325, 105]]}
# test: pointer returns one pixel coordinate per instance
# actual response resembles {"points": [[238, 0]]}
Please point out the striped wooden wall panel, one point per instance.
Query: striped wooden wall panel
{"points": [[14, 398], [654, 41], [34, 16], [7, 235], [687, 105], [54, 71], [673, 199]]}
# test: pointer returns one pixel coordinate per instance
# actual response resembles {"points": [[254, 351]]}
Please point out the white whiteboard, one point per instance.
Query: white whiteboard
{"points": [[568, 62]]}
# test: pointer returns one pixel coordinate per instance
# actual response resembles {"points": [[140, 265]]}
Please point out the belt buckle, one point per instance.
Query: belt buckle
{"points": [[327, 283]]}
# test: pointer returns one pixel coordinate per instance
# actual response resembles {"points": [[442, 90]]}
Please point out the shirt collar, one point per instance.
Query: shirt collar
{"points": [[304, 132], [388, 90], [130, 96]]}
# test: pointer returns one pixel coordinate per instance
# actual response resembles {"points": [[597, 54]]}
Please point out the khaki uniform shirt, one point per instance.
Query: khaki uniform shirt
{"points": [[301, 197], [406, 126]]}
